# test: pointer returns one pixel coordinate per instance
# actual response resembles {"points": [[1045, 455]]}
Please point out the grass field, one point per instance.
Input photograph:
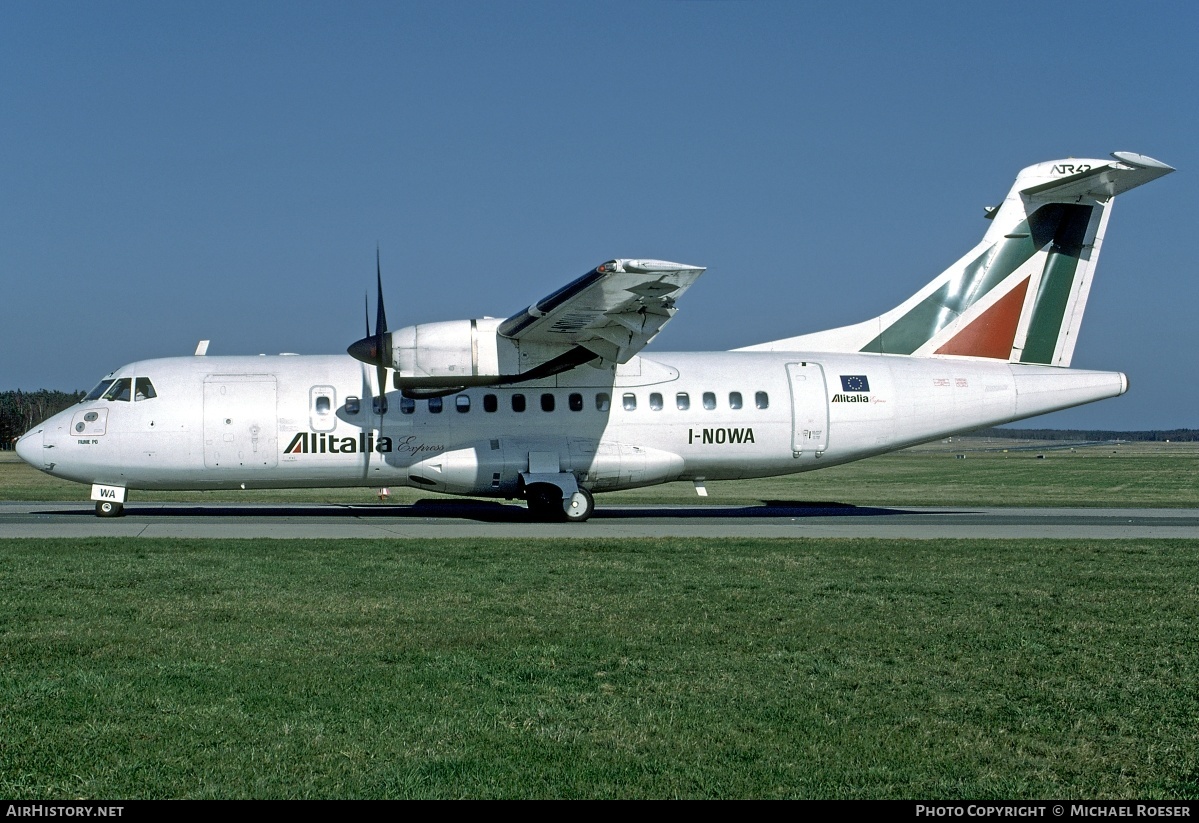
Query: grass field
{"points": [[640, 668], [664, 668], [991, 473]]}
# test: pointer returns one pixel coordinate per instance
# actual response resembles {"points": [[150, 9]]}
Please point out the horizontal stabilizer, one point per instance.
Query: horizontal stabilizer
{"points": [[1098, 181]]}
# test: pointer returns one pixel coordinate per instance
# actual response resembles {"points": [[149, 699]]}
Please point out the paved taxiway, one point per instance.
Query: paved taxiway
{"points": [[469, 518]]}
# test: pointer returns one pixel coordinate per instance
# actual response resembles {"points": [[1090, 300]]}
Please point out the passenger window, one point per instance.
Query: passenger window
{"points": [[434, 405], [119, 390], [682, 400], [462, 403], [547, 402], [353, 405], [630, 402], [575, 401], [323, 404], [407, 405], [518, 402], [709, 400], [143, 389], [379, 404], [655, 401], [603, 402], [490, 403], [761, 400], [734, 400]]}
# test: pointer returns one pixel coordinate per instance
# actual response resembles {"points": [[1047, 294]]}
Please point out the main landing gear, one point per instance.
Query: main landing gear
{"points": [[547, 503], [109, 508]]}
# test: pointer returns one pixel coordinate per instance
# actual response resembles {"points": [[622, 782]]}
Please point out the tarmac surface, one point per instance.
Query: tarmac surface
{"points": [[473, 518]]}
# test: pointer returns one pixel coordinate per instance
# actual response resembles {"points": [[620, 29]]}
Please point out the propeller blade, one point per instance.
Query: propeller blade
{"points": [[381, 376], [380, 330], [373, 347], [381, 316]]}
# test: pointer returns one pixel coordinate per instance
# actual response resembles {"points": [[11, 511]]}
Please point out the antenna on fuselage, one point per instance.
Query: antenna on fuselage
{"points": [[202, 348]]}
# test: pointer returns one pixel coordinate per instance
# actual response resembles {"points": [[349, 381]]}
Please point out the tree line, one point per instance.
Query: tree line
{"points": [[20, 410], [1146, 436]]}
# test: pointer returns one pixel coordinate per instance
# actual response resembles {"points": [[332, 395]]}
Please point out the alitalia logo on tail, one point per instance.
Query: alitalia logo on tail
{"points": [[1019, 294], [978, 305]]}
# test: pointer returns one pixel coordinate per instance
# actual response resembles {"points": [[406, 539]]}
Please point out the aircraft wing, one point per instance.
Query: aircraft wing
{"points": [[613, 311]]}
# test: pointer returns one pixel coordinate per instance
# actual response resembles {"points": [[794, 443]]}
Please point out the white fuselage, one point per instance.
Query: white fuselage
{"points": [[291, 421]]}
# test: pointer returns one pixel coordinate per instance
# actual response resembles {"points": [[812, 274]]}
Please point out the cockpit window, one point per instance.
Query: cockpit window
{"points": [[123, 389], [98, 392], [119, 390]]}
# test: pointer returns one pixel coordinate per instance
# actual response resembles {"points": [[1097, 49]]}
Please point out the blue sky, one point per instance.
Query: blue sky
{"points": [[173, 171]]}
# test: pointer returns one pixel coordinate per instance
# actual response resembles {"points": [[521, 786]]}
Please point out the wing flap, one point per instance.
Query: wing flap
{"points": [[614, 310]]}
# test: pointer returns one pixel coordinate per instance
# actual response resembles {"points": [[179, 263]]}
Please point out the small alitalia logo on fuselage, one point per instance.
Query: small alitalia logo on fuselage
{"points": [[855, 388]]}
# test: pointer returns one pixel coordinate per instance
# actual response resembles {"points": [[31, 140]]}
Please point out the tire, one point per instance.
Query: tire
{"points": [[107, 508], [578, 507], [545, 502]]}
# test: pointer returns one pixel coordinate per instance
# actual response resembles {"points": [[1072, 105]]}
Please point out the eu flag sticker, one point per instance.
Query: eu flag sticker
{"points": [[854, 382]]}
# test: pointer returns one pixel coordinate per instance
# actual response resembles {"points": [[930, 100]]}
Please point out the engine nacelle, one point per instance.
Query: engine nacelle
{"points": [[439, 358], [452, 353]]}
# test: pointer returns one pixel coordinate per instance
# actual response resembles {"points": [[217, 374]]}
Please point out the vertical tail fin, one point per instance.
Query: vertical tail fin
{"points": [[1019, 295]]}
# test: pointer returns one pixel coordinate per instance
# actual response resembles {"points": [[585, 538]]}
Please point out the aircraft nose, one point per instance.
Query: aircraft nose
{"points": [[29, 447]]}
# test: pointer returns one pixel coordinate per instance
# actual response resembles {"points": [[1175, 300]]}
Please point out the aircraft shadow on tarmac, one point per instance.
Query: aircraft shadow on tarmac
{"points": [[495, 512]]}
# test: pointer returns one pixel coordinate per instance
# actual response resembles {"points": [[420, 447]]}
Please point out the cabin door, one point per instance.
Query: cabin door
{"points": [[241, 424], [809, 409]]}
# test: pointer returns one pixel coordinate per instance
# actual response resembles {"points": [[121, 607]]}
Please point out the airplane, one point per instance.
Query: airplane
{"points": [[558, 402]]}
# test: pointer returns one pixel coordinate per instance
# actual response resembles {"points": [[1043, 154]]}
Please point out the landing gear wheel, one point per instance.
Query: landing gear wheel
{"points": [[107, 508], [578, 506], [545, 502]]}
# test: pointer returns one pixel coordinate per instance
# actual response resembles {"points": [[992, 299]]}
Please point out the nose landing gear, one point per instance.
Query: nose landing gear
{"points": [[109, 508]]}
